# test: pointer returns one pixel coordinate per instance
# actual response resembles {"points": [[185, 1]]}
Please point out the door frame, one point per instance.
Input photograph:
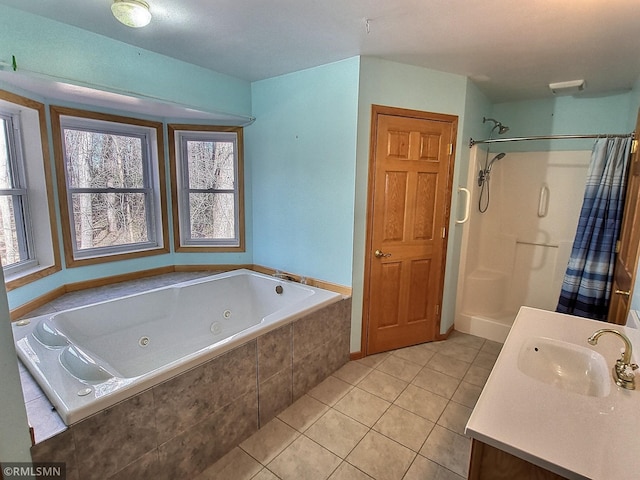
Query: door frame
{"points": [[376, 111], [619, 305]]}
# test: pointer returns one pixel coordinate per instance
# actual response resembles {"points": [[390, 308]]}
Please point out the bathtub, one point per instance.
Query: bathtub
{"points": [[89, 358]]}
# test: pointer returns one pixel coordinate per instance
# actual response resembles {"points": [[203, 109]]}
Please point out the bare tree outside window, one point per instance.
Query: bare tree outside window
{"points": [[14, 243], [112, 190], [211, 176], [207, 167], [105, 173]]}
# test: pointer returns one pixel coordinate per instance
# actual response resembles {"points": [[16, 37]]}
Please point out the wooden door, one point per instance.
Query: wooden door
{"points": [[627, 259], [411, 168]]}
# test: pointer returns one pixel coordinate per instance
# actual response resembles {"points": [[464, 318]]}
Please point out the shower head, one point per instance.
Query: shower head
{"points": [[483, 175], [496, 124], [499, 156]]}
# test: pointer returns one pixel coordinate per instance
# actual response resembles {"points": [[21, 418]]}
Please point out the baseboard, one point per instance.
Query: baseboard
{"points": [[444, 336], [356, 355]]}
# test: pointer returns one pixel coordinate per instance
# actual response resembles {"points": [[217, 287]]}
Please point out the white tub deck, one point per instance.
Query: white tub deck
{"points": [[89, 358]]}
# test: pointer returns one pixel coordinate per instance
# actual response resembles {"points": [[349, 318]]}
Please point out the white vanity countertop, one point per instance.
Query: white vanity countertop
{"points": [[573, 435]]}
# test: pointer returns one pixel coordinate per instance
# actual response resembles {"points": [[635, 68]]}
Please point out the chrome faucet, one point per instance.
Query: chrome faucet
{"points": [[284, 276], [623, 370]]}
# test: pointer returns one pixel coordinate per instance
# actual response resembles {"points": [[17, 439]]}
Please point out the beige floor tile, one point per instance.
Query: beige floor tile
{"points": [[491, 347], [448, 449], [269, 441], [303, 413], [235, 465], [485, 360], [448, 365], [404, 427], [399, 368], [466, 339], [424, 469], [422, 402], [304, 459], [362, 406], [352, 372], [455, 417], [383, 385], [337, 433], [460, 352], [477, 375], [381, 458], [346, 471], [330, 390], [372, 361], [436, 382], [418, 354], [265, 474], [435, 346], [467, 394]]}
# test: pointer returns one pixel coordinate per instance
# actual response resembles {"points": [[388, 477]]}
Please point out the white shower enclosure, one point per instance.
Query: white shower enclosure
{"points": [[516, 253]]}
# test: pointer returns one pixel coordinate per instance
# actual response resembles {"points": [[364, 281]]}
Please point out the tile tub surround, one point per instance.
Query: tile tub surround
{"points": [[178, 428]]}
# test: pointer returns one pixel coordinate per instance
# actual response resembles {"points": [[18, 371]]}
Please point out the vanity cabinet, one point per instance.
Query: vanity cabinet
{"points": [[534, 420], [490, 463]]}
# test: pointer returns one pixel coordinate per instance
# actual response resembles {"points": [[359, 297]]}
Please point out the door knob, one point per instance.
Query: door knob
{"points": [[381, 254], [626, 293]]}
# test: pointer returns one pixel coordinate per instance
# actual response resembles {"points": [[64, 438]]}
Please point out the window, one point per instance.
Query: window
{"points": [[16, 244], [113, 186], [29, 247], [206, 164]]}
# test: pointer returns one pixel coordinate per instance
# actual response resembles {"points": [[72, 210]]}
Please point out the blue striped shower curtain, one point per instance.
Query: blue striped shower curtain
{"points": [[586, 288]]}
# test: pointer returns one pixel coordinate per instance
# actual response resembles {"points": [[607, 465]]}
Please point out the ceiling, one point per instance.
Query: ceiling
{"points": [[511, 50]]}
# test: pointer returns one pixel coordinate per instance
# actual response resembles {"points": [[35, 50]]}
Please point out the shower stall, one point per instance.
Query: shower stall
{"points": [[516, 252]]}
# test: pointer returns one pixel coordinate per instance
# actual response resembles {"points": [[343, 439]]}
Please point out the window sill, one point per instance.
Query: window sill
{"points": [[114, 257], [209, 248], [24, 277]]}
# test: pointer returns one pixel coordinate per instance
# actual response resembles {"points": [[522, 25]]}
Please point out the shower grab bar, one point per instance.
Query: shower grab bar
{"points": [[543, 202], [467, 205]]}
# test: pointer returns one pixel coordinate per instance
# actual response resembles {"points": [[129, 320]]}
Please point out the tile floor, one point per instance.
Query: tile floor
{"points": [[396, 415]]}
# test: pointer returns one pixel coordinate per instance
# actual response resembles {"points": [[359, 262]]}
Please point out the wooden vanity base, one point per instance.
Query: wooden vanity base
{"points": [[488, 462]]}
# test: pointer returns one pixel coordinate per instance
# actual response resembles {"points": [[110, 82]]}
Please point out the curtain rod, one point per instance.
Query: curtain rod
{"points": [[473, 142]]}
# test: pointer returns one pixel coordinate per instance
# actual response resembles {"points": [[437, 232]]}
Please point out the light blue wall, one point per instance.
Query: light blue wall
{"points": [[562, 116], [398, 85], [302, 150], [62, 50], [86, 58]]}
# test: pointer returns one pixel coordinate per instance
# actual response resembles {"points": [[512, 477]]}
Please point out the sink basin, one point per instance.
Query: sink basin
{"points": [[566, 366]]}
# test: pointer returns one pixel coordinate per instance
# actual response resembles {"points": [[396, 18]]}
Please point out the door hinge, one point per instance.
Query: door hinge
{"points": [[451, 149], [444, 232], [634, 146], [437, 311], [618, 246]]}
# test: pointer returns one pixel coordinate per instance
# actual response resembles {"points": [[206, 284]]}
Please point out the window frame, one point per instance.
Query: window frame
{"points": [[37, 172], [19, 193], [180, 195], [154, 184]]}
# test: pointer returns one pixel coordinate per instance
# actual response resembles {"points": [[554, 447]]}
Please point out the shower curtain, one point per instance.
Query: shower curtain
{"points": [[586, 288]]}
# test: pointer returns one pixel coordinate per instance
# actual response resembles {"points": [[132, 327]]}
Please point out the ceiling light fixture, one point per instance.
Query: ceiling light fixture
{"points": [[567, 88], [133, 13]]}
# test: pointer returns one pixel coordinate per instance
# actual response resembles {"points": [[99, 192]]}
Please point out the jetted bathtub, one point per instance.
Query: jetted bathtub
{"points": [[91, 357]]}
